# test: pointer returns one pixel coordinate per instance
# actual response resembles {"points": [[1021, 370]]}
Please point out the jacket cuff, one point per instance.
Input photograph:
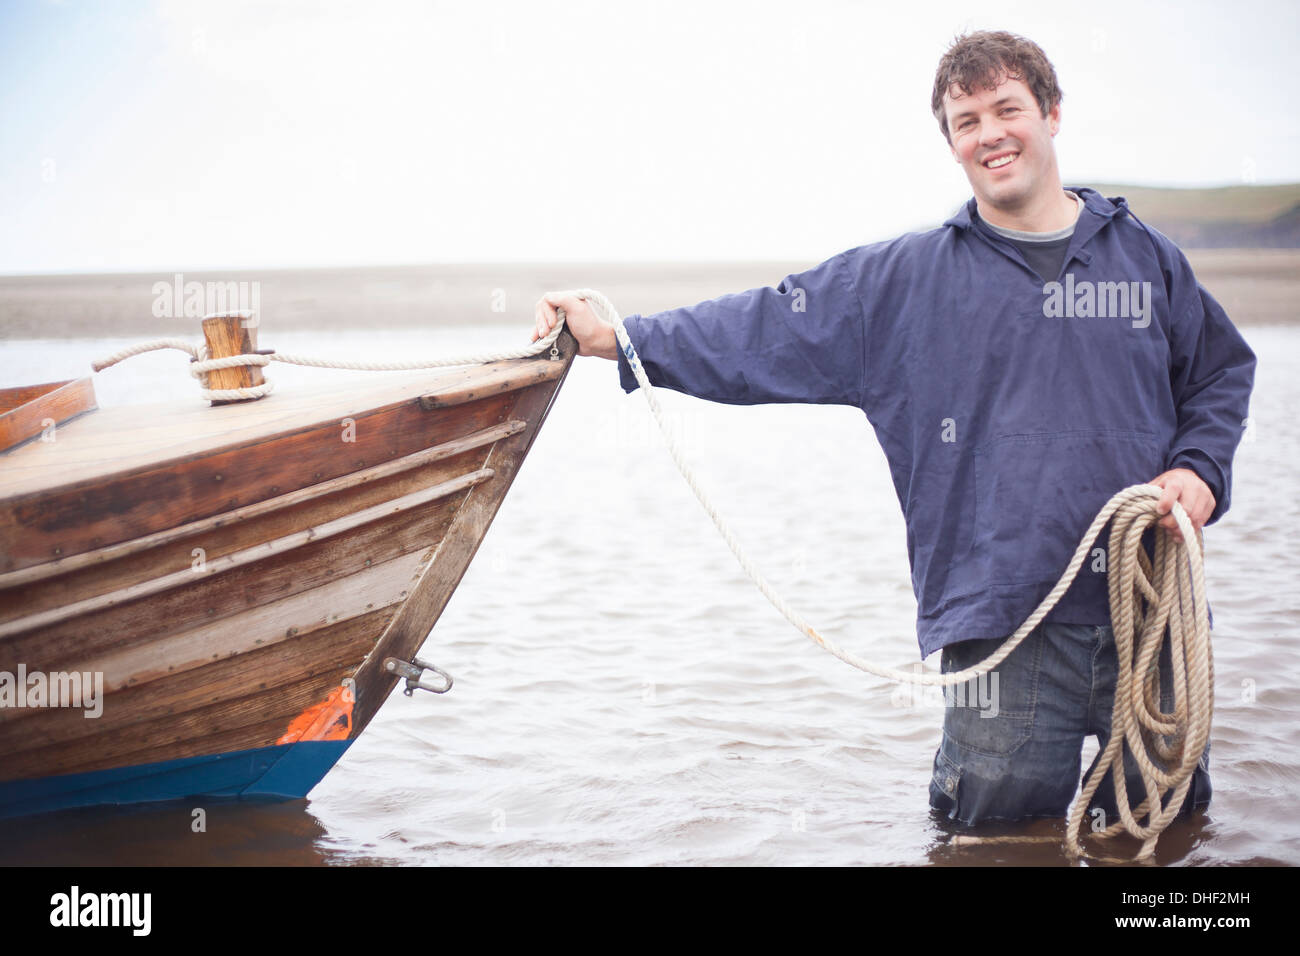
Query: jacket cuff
{"points": [[625, 376]]}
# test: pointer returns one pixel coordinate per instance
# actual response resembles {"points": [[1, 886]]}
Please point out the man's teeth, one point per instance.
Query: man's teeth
{"points": [[1001, 161]]}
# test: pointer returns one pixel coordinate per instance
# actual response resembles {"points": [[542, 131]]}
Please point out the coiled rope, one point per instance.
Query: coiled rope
{"points": [[1147, 598]]}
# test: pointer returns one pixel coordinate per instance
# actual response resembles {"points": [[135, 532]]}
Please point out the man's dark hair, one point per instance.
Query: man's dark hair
{"points": [[981, 60]]}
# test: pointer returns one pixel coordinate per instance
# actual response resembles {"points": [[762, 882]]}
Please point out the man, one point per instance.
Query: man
{"points": [[1040, 351]]}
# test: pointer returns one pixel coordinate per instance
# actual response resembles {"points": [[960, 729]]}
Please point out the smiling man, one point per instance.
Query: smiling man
{"points": [[1007, 421], [1004, 143]]}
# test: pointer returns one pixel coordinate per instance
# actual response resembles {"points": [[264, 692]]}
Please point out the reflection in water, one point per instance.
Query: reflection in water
{"points": [[1178, 844], [198, 833]]}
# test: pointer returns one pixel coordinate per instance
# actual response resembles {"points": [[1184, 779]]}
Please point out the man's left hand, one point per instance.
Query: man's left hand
{"points": [[1184, 486]]}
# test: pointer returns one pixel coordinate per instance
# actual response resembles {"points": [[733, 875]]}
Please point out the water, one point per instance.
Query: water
{"points": [[624, 695]]}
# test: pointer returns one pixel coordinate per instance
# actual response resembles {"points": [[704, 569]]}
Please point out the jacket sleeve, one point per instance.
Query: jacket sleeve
{"points": [[1212, 372], [801, 341]]}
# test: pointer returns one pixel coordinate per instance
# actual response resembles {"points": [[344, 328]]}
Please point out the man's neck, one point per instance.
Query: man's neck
{"points": [[1046, 213]]}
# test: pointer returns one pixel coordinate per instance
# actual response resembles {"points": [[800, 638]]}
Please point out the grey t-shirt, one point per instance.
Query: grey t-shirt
{"points": [[1044, 251]]}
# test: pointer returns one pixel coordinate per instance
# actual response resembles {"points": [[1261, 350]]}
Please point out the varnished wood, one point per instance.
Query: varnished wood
{"points": [[28, 411], [258, 509], [493, 381], [67, 644], [239, 678], [214, 663], [379, 588], [230, 725], [228, 538], [227, 335], [248, 556], [131, 438], [74, 516], [20, 395]]}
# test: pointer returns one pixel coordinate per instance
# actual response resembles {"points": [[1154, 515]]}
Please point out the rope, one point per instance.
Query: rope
{"points": [[1166, 746], [201, 365], [143, 347]]}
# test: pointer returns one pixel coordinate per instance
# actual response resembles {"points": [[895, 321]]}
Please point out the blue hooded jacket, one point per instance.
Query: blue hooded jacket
{"points": [[1009, 410]]}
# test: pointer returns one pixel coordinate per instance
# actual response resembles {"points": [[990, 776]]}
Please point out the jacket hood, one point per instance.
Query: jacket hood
{"points": [[1093, 202]]}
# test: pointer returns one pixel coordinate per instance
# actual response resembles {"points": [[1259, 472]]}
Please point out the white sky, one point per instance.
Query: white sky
{"points": [[177, 135]]}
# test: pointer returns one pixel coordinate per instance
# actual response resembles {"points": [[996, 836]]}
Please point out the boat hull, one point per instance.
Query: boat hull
{"points": [[284, 772], [236, 580]]}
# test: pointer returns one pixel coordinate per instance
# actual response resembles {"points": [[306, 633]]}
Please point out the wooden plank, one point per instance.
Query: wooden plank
{"points": [[227, 538], [244, 724], [258, 509], [177, 431], [27, 411], [229, 562], [20, 395], [240, 678], [81, 517], [503, 378], [139, 623], [378, 586]]}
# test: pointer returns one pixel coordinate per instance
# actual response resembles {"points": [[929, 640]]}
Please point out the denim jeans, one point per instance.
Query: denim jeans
{"points": [[1012, 750]]}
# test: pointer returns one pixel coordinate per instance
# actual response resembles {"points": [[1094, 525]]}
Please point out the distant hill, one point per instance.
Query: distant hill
{"points": [[1224, 217]]}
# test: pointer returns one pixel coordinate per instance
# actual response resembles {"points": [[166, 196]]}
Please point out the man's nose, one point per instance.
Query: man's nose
{"points": [[992, 131]]}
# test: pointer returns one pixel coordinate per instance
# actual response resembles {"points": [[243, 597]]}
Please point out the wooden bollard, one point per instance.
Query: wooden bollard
{"points": [[227, 335]]}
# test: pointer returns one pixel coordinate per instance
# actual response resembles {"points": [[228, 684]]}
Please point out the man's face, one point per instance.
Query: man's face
{"points": [[1004, 143]]}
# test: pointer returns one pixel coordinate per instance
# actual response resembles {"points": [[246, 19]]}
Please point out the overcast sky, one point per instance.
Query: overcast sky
{"points": [[177, 135]]}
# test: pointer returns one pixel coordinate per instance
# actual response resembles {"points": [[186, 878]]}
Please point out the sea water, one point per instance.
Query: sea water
{"points": [[624, 694]]}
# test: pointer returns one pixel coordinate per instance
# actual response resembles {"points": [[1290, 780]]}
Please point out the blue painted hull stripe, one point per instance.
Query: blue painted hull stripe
{"points": [[287, 771]]}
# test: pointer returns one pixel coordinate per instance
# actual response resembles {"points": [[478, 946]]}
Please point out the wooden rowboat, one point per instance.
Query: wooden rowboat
{"points": [[248, 581]]}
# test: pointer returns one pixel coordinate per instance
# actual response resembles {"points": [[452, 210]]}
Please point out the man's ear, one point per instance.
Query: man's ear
{"points": [[1054, 118]]}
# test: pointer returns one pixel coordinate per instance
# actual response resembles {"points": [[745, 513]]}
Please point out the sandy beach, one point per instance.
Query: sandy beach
{"points": [[393, 297], [1255, 286]]}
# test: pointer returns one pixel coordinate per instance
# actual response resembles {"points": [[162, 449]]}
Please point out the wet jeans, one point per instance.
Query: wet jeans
{"points": [[1012, 741]]}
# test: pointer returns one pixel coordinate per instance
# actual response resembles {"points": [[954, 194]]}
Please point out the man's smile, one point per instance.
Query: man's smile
{"points": [[1001, 160]]}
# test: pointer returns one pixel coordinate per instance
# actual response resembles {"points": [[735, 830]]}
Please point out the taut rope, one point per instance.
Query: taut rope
{"points": [[201, 365]]}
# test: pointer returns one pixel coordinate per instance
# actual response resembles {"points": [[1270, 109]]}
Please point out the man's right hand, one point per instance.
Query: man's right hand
{"points": [[594, 336]]}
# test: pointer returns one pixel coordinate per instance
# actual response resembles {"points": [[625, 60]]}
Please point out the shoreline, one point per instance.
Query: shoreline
{"points": [[1256, 287]]}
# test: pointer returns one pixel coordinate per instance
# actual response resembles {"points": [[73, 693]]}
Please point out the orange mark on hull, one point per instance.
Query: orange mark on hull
{"points": [[331, 719]]}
